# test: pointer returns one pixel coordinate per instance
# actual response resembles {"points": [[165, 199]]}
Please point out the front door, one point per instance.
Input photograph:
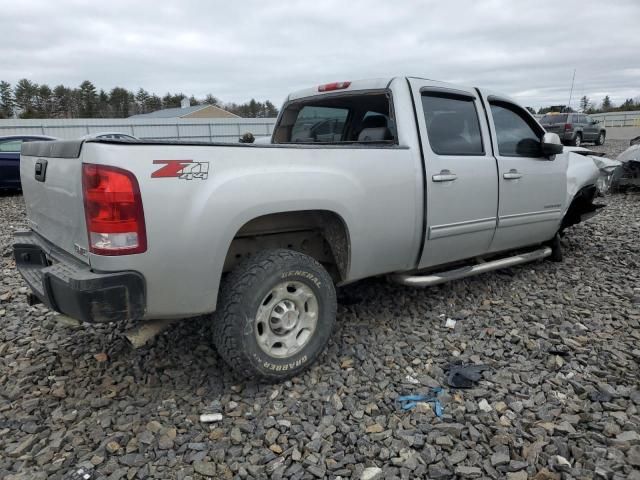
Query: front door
{"points": [[532, 186], [461, 173]]}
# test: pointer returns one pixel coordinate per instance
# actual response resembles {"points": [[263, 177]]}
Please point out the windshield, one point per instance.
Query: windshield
{"points": [[551, 119]]}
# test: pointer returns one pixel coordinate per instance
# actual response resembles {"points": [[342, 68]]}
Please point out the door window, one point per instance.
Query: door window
{"points": [[452, 124], [516, 135]]}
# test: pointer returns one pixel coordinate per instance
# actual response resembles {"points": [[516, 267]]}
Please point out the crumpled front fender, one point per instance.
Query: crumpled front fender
{"points": [[581, 172]]}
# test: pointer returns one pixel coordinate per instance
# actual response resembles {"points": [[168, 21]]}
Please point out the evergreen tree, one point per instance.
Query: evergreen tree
{"points": [[31, 100], [6, 100], [142, 100], [154, 103], [104, 110], [44, 102], [25, 96], [88, 100], [61, 102], [584, 103], [606, 104], [119, 100]]}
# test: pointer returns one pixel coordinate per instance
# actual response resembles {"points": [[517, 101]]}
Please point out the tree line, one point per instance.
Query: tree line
{"points": [[28, 99], [586, 105]]}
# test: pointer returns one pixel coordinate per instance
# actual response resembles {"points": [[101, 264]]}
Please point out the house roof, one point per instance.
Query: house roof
{"points": [[176, 112]]}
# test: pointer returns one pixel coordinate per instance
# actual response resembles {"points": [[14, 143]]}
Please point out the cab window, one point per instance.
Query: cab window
{"points": [[452, 124], [515, 132]]}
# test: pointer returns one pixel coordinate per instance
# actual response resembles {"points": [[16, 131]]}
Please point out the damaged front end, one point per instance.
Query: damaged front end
{"points": [[628, 175], [582, 179], [607, 167], [582, 207]]}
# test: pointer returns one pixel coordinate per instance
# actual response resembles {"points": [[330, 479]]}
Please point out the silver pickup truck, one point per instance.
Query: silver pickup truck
{"points": [[412, 178]]}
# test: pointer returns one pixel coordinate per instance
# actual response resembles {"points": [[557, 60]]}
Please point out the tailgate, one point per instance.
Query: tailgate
{"points": [[52, 185]]}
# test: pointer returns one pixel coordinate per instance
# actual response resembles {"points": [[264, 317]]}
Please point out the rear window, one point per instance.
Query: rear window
{"points": [[352, 118], [553, 119], [319, 124]]}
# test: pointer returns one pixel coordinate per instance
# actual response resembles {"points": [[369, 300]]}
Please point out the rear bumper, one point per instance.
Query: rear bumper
{"points": [[68, 286]]}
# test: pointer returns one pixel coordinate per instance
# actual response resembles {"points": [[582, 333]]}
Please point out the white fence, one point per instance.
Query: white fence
{"points": [[619, 119], [205, 129]]}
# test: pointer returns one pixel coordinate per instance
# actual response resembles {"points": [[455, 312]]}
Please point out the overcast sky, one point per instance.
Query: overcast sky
{"points": [[264, 49]]}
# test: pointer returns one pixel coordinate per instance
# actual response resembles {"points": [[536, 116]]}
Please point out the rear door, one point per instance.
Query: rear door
{"points": [[532, 187], [461, 177]]}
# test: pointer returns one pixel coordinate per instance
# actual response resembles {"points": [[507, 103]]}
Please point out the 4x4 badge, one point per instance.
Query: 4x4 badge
{"points": [[184, 169]]}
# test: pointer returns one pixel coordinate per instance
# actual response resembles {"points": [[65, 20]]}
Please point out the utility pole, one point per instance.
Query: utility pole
{"points": [[571, 92]]}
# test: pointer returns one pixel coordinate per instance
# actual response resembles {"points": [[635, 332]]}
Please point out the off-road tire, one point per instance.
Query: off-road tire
{"points": [[241, 295], [577, 140], [601, 138]]}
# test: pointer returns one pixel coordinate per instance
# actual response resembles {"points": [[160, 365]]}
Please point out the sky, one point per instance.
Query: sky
{"points": [[239, 50]]}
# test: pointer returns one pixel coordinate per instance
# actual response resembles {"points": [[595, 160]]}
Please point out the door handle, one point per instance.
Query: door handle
{"points": [[444, 176], [512, 175]]}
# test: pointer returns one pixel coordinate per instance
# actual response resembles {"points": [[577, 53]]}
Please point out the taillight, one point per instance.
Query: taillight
{"points": [[568, 126], [333, 86], [113, 211]]}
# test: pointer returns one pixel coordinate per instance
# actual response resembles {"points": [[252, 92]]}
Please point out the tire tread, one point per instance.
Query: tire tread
{"points": [[230, 302]]}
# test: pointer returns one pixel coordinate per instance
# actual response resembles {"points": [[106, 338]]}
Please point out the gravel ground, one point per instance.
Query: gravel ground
{"points": [[612, 148], [561, 399]]}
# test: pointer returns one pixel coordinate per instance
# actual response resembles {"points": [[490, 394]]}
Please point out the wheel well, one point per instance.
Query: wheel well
{"points": [[581, 205], [321, 234]]}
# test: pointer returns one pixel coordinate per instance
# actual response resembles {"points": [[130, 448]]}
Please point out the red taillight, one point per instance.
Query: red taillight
{"points": [[113, 211], [333, 86], [568, 126]]}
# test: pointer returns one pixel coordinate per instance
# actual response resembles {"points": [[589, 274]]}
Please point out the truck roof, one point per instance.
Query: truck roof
{"points": [[353, 85]]}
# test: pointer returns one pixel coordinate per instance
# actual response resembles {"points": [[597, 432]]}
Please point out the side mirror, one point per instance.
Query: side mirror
{"points": [[551, 144]]}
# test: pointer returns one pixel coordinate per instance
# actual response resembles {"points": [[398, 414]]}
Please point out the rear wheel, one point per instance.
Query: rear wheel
{"points": [[600, 139], [577, 141], [275, 315]]}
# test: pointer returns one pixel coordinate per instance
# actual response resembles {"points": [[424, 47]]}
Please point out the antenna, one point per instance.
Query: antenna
{"points": [[571, 92]]}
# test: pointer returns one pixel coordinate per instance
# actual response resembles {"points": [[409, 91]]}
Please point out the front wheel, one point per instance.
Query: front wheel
{"points": [[600, 139], [275, 315]]}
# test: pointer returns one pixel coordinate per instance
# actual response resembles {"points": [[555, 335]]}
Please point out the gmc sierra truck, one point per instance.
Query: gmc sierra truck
{"points": [[419, 180]]}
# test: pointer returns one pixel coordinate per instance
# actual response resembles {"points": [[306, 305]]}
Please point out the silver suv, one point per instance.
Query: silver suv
{"points": [[574, 128]]}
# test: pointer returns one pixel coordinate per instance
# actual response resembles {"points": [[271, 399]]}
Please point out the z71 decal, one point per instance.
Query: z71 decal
{"points": [[184, 169]]}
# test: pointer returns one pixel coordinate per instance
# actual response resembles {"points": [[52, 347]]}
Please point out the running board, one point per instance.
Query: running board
{"points": [[441, 277]]}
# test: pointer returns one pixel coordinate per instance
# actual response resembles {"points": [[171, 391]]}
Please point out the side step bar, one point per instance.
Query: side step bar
{"points": [[441, 277]]}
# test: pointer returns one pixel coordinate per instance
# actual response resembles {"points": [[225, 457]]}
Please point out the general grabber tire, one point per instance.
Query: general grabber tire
{"points": [[275, 315]]}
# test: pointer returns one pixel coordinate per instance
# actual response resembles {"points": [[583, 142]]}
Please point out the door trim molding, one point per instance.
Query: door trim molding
{"points": [[461, 228], [529, 217]]}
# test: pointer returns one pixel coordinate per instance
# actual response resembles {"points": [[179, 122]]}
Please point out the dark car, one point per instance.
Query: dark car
{"points": [[574, 128], [10, 158]]}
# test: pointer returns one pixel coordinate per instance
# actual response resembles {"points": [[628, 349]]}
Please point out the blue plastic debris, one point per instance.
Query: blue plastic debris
{"points": [[409, 402]]}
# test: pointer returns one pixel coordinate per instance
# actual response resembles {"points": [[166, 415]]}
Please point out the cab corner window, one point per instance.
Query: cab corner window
{"points": [[452, 124], [516, 136]]}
